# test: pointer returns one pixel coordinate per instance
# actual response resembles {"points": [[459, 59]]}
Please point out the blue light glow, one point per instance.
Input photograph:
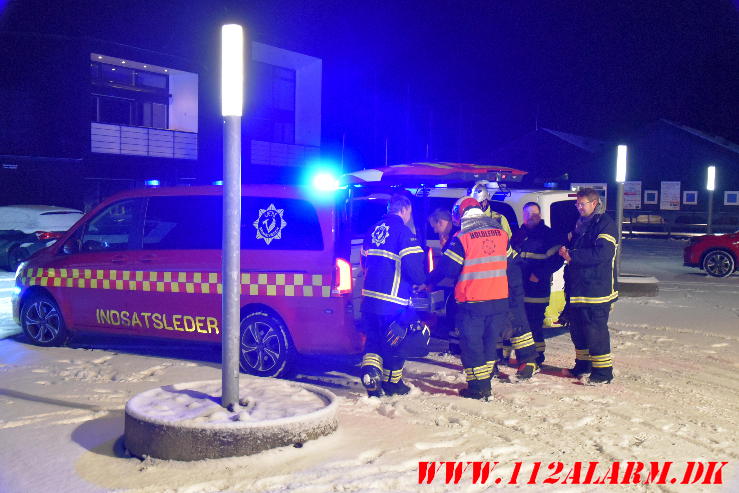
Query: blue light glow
{"points": [[218, 182], [325, 182], [151, 183]]}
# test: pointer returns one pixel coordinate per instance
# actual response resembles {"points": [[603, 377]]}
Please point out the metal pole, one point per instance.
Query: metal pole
{"points": [[231, 259], [619, 223], [709, 226]]}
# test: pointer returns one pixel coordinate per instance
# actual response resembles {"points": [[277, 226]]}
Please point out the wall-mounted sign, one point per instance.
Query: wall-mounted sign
{"points": [[731, 197], [632, 195], [670, 196], [650, 196], [690, 197]]}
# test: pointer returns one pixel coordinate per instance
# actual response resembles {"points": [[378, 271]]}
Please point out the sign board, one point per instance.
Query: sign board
{"points": [[601, 188], [632, 195], [690, 197], [650, 196], [731, 197], [669, 199]]}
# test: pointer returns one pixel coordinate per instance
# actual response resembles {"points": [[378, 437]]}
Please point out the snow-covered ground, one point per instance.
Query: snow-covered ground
{"points": [[675, 398]]}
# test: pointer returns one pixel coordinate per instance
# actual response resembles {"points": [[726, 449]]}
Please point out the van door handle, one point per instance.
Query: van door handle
{"points": [[148, 258], [118, 259]]}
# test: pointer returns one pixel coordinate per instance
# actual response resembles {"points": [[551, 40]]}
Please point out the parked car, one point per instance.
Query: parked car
{"points": [[715, 254], [25, 229]]}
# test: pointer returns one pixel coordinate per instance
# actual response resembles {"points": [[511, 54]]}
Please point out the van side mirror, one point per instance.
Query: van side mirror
{"points": [[71, 246]]}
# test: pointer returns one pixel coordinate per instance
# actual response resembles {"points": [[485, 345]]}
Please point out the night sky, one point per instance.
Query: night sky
{"points": [[452, 80]]}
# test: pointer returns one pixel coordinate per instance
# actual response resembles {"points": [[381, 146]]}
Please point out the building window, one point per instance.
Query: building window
{"points": [[127, 96], [273, 104]]}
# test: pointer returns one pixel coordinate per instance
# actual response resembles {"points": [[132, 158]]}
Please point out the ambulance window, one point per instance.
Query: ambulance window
{"points": [[507, 211], [113, 228], [367, 211], [272, 223], [183, 223]]}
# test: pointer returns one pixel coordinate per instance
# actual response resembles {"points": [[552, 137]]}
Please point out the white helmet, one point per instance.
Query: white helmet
{"points": [[480, 191]]}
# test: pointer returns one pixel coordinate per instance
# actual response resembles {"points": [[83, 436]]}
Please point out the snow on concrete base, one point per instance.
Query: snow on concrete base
{"points": [[186, 421], [636, 285]]}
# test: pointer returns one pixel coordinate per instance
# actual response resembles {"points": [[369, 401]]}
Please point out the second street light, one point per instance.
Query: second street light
{"points": [[620, 179], [710, 186]]}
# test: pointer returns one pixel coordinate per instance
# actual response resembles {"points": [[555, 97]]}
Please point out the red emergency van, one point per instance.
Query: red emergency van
{"points": [[148, 263]]}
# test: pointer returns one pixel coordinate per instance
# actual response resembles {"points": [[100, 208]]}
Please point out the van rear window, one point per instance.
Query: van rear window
{"points": [[196, 223]]}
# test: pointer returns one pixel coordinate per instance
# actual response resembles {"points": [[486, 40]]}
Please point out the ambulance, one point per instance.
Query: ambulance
{"points": [[147, 263]]}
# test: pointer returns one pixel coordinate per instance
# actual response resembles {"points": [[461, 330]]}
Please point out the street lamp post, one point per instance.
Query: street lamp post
{"points": [[710, 186], [232, 102], [620, 179]]}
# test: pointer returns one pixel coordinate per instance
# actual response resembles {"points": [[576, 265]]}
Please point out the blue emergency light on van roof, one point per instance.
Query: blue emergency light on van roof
{"points": [[151, 183], [218, 182], [440, 185], [325, 181]]}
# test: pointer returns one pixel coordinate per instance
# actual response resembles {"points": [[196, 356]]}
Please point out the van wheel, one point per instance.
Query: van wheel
{"points": [[719, 263], [42, 321], [266, 349]]}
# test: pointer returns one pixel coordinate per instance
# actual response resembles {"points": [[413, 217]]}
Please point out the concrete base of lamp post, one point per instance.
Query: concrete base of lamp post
{"points": [[186, 422], [635, 285]]}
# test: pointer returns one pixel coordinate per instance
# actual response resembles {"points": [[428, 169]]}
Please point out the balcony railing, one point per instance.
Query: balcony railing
{"points": [[140, 141]]}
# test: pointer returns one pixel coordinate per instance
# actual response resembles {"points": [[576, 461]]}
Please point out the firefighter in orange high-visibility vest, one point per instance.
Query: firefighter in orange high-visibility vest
{"points": [[476, 257]]}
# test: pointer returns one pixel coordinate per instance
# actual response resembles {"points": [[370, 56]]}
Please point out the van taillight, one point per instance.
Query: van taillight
{"points": [[343, 277], [47, 235], [430, 259]]}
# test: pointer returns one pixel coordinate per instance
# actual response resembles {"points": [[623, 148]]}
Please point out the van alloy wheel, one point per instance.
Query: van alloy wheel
{"points": [[41, 321], [719, 263], [265, 347]]}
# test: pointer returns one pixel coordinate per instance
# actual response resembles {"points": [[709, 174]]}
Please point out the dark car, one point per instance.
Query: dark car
{"points": [[715, 254], [25, 229]]}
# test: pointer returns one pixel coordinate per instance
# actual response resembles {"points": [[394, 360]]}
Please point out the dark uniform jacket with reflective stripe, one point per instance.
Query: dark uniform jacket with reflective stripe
{"points": [[537, 253], [476, 256], [590, 275], [394, 263]]}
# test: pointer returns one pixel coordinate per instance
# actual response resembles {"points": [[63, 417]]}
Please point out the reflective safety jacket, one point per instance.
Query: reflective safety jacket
{"points": [[590, 275], [478, 256], [500, 218], [393, 263], [537, 253]]}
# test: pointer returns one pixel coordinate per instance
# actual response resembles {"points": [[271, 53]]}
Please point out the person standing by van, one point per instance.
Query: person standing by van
{"points": [[393, 265], [520, 337], [590, 287], [476, 257], [443, 225], [537, 249]]}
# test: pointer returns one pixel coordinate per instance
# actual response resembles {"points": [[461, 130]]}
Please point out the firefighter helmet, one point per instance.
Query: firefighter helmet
{"points": [[480, 191], [461, 206]]}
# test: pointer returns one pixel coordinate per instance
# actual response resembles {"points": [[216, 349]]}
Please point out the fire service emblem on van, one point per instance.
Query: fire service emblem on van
{"points": [[380, 234], [270, 224]]}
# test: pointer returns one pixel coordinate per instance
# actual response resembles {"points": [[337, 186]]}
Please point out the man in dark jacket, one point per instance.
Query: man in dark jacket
{"points": [[590, 287], [393, 265], [537, 248], [476, 258]]}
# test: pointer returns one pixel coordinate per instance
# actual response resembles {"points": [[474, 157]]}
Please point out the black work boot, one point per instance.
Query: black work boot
{"points": [[581, 368], [397, 388], [527, 370], [477, 389], [372, 380], [600, 376]]}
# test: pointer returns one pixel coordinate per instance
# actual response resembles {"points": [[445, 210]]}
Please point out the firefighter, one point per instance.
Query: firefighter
{"points": [[537, 249], [519, 336], [590, 287], [476, 257], [393, 263], [443, 225]]}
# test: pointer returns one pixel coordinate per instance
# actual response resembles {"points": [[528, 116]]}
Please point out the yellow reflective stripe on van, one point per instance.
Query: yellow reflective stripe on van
{"points": [[253, 283], [587, 299]]}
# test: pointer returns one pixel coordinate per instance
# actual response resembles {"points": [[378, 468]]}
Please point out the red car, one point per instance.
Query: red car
{"points": [[717, 255]]}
